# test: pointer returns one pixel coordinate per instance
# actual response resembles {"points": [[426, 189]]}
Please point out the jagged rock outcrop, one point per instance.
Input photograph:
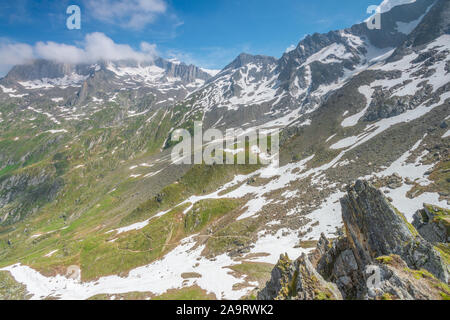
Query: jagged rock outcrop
{"points": [[375, 228], [382, 257], [298, 280], [391, 279], [433, 223], [335, 262]]}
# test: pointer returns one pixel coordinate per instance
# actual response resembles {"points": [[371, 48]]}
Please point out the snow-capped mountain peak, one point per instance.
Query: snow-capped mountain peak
{"points": [[387, 5]]}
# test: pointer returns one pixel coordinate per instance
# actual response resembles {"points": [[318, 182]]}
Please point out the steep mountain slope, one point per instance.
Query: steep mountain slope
{"points": [[255, 89], [88, 183]]}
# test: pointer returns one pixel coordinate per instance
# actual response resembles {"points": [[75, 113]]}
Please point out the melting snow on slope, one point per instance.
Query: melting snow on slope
{"points": [[353, 120], [48, 255], [415, 172], [447, 134], [7, 90], [273, 245], [330, 54], [248, 89], [157, 277], [438, 79], [344, 143], [409, 27], [328, 217], [165, 274], [57, 131], [384, 124], [409, 206], [72, 80]]}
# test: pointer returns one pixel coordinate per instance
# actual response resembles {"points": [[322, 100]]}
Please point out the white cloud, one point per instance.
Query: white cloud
{"points": [[12, 54], [134, 14], [95, 47], [59, 52]]}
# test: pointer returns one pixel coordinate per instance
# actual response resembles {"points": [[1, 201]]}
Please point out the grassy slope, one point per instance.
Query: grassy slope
{"points": [[95, 162]]}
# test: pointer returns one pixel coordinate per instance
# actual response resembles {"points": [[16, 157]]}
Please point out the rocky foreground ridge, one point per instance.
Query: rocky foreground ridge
{"points": [[380, 257]]}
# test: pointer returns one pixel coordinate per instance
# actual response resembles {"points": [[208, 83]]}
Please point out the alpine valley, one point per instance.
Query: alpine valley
{"points": [[92, 206]]}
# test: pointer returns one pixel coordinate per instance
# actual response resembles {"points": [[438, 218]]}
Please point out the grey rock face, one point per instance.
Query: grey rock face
{"points": [[188, 73], [40, 69], [298, 280], [18, 191], [292, 65], [337, 264], [375, 228], [346, 274], [388, 35], [432, 224], [386, 105]]}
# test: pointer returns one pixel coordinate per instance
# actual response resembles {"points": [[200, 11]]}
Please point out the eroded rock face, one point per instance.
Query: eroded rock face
{"points": [[337, 264], [375, 228], [298, 280]]}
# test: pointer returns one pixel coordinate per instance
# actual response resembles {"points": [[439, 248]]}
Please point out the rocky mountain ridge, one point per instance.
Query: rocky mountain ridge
{"points": [[74, 85], [256, 89]]}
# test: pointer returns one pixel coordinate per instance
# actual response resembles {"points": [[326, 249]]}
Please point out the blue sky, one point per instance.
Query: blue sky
{"points": [[208, 33]]}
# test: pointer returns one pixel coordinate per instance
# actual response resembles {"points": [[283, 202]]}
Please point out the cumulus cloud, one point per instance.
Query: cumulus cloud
{"points": [[12, 54], [134, 14], [95, 47]]}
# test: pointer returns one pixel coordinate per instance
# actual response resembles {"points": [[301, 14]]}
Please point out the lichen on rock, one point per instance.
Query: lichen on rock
{"points": [[298, 280], [433, 223]]}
